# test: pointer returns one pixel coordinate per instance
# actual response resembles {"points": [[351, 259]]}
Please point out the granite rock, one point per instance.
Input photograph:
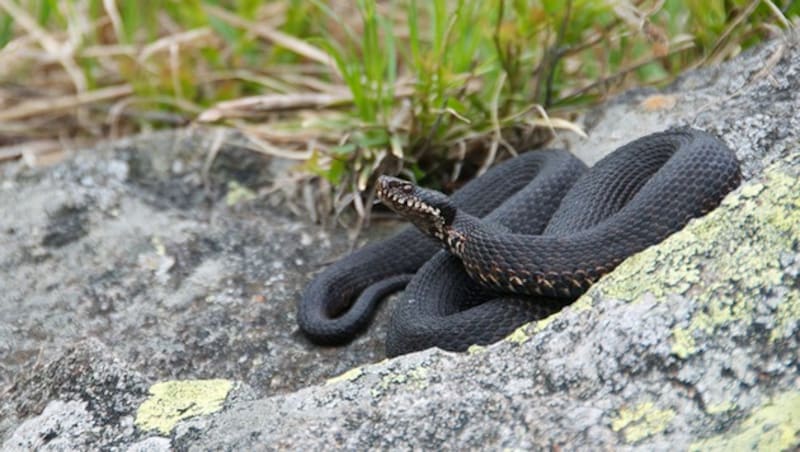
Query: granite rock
{"points": [[148, 302]]}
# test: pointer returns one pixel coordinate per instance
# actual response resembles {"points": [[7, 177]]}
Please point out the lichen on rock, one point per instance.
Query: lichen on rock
{"points": [[772, 426], [173, 401], [641, 421], [735, 264]]}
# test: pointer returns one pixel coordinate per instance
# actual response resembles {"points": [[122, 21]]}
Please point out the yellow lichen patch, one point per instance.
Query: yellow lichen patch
{"points": [[584, 303], [475, 349], [725, 262], [642, 421], [158, 244], [519, 336], [683, 344], [788, 312], [720, 407], [416, 378], [172, 401], [774, 426], [392, 379], [542, 324], [751, 190], [349, 375]]}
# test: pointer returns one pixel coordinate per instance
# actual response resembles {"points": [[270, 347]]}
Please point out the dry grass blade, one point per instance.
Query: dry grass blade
{"points": [[10, 54], [211, 155], [108, 51], [764, 71], [716, 52], [557, 123], [778, 14], [298, 46], [497, 135], [18, 150], [42, 152], [770, 63], [116, 19], [56, 104], [292, 136], [674, 48], [467, 75], [264, 147], [196, 36], [546, 121], [255, 106], [50, 44]]}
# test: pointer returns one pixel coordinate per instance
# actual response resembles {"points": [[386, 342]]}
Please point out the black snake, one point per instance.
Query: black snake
{"points": [[533, 254]]}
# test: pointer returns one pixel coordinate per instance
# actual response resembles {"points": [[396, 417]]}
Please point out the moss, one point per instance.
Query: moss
{"points": [[772, 427], [642, 421], [726, 262], [173, 401]]}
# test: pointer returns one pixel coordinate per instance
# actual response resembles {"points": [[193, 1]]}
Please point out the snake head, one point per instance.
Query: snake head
{"points": [[429, 210]]}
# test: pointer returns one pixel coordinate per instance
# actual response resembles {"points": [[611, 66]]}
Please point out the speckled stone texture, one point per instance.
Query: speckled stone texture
{"points": [[123, 268]]}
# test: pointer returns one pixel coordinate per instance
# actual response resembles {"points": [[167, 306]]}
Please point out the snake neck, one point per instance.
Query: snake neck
{"points": [[466, 228]]}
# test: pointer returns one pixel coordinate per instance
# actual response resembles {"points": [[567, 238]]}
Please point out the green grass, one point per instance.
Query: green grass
{"points": [[422, 80]]}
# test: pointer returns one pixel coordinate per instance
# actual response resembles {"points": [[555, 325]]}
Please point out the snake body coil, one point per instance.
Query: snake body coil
{"points": [[532, 255], [339, 302]]}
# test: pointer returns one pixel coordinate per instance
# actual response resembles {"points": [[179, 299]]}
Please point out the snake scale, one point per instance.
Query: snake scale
{"points": [[522, 255]]}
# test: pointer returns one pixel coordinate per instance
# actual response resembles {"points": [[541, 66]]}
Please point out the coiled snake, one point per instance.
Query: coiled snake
{"points": [[537, 248]]}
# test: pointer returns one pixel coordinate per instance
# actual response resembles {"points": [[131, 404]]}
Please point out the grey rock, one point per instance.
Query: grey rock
{"points": [[136, 301], [152, 444], [62, 426]]}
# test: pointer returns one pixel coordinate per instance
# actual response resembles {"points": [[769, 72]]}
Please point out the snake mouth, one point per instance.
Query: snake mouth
{"points": [[404, 198], [429, 210]]}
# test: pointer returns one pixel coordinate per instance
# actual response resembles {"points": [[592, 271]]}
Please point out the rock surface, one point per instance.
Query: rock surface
{"points": [[149, 304]]}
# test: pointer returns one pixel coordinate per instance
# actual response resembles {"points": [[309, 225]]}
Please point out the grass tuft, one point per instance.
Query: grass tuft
{"points": [[435, 90]]}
